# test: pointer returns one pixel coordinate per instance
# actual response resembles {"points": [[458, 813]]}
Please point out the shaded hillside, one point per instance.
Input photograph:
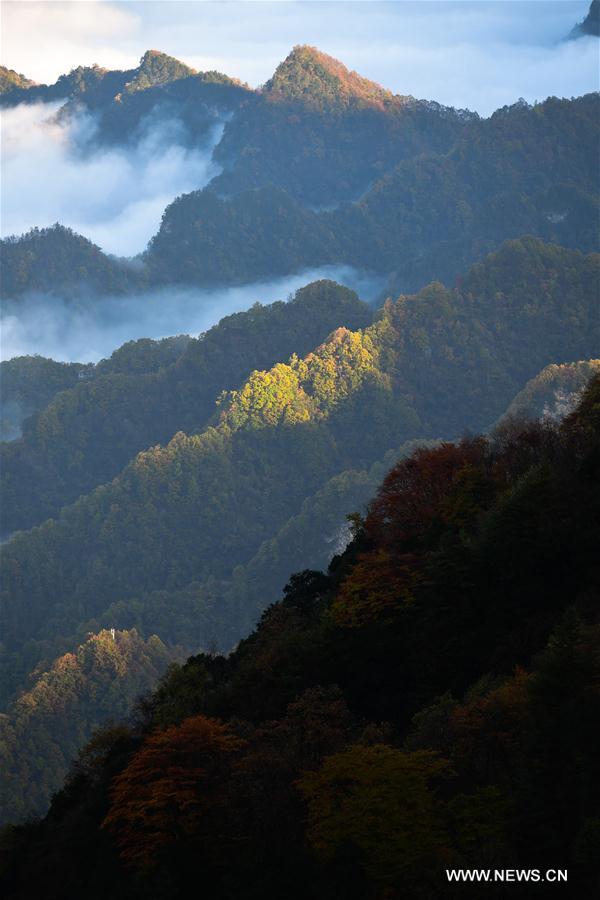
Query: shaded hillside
{"points": [[591, 24], [324, 134], [256, 234], [87, 435], [524, 170], [30, 383], [60, 262], [215, 613], [429, 703], [430, 366]]}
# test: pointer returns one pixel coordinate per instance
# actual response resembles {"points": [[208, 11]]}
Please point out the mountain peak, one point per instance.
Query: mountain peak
{"points": [[157, 68], [10, 80], [319, 81], [591, 23]]}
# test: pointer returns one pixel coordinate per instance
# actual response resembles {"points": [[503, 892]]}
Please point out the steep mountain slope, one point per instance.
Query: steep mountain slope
{"points": [[432, 365], [591, 24], [554, 393], [525, 170], [324, 134], [429, 703], [86, 435], [215, 613], [46, 726], [315, 80]]}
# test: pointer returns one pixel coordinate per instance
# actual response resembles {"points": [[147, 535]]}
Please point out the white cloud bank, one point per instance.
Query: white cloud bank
{"points": [[116, 197], [87, 333]]}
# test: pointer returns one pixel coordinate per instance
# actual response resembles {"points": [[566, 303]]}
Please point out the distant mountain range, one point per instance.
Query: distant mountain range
{"points": [[321, 166]]}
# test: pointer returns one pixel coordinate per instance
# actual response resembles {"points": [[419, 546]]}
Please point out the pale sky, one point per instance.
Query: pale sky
{"points": [[480, 54]]}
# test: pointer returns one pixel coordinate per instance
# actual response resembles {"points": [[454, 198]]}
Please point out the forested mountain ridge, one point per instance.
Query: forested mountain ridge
{"points": [[88, 434], [30, 383], [46, 726], [321, 166], [422, 693], [427, 216], [95, 86], [11, 80], [194, 510], [59, 262], [554, 392], [430, 216], [427, 703], [120, 101]]}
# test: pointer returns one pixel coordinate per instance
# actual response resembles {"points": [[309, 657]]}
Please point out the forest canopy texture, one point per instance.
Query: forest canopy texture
{"points": [[306, 605], [429, 702]]}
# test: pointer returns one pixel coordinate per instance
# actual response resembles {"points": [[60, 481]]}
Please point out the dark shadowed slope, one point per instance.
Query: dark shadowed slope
{"points": [[429, 703]]}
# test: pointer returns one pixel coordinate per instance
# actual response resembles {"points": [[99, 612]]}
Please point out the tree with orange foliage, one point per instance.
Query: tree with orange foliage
{"points": [[416, 491], [435, 489], [171, 789]]}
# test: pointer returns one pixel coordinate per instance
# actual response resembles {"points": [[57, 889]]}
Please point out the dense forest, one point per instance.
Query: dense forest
{"points": [[145, 393], [30, 383], [198, 534], [422, 694], [428, 703], [554, 392], [45, 727]]}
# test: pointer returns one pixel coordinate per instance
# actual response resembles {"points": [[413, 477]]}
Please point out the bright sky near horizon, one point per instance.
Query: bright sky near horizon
{"points": [[480, 54]]}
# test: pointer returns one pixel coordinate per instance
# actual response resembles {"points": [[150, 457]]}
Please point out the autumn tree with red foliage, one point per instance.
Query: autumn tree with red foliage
{"points": [[434, 489], [172, 786]]}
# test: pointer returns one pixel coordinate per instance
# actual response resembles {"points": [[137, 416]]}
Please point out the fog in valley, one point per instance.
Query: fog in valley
{"points": [[90, 330], [53, 170]]}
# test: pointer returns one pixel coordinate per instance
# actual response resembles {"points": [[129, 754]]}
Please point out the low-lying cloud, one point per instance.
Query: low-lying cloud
{"points": [[91, 331], [52, 171]]}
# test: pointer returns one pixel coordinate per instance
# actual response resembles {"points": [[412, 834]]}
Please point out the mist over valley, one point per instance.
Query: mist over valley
{"points": [[54, 171], [94, 326]]}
